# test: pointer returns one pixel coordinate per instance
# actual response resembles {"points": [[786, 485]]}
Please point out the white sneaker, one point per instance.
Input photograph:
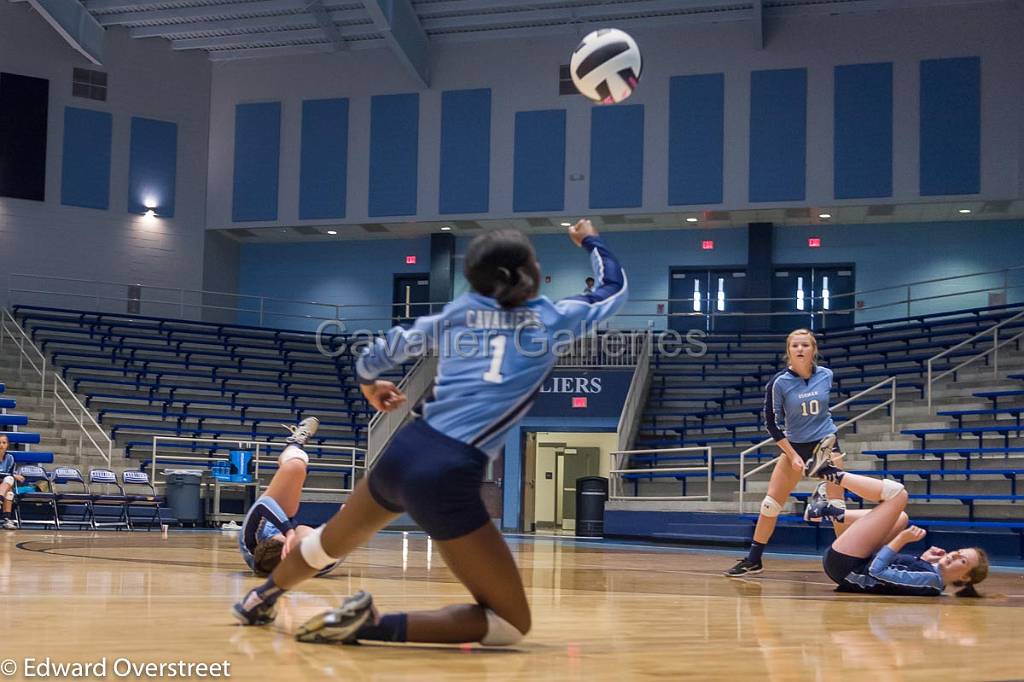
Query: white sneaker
{"points": [[10, 524], [306, 428]]}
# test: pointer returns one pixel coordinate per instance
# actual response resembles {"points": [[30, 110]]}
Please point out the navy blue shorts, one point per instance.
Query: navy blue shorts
{"points": [[838, 565], [433, 477], [806, 450]]}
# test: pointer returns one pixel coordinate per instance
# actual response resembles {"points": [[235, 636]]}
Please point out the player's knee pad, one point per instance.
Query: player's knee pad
{"points": [[890, 488], [9, 495], [9, 480], [313, 552], [770, 507], [293, 452], [499, 631]]}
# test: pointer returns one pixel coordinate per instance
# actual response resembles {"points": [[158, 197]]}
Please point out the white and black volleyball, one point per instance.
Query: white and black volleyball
{"points": [[606, 66]]}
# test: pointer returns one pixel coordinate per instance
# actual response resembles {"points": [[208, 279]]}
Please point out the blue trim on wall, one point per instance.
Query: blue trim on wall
{"points": [[539, 165], [512, 482], [950, 126], [324, 159], [778, 135], [696, 139], [465, 151], [85, 169], [863, 131], [617, 156], [394, 154], [257, 158], [153, 164]]}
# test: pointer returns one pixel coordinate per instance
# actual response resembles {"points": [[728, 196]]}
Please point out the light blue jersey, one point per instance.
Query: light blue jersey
{"points": [[892, 573], [7, 465], [797, 408], [492, 361]]}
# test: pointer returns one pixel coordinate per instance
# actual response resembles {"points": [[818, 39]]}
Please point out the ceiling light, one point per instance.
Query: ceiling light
{"points": [[691, 220], [825, 216], [446, 228], [566, 224], [332, 232], [965, 210]]}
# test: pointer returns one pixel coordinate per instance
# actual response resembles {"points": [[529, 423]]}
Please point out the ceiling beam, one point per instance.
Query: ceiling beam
{"points": [[264, 52], [397, 20], [351, 17], [75, 25], [238, 9], [242, 39]]}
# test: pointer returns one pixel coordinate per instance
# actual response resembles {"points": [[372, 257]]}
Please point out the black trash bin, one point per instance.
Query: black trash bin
{"points": [[183, 495], [591, 494]]}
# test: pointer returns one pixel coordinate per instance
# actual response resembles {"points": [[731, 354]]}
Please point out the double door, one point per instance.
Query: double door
{"points": [[821, 292], [706, 299]]}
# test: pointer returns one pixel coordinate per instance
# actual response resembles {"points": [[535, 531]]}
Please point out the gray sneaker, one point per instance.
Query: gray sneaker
{"points": [[10, 524], [339, 625], [821, 456], [816, 503], [305, 430]]}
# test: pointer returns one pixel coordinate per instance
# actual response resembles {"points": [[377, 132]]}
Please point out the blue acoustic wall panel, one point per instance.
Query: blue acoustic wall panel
{"points": [[85, 170], [394, 153], [863, 131], [465, 151], [950, 126], [324, 159], [153, 165], [696, 139], [257, 157], [539, 165], [617, 156], [778, 135]]}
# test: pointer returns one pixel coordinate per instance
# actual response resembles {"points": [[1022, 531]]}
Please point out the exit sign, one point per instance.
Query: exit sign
{"points": [[579, 402], [707, 244], [814, 242], [410, 260]]}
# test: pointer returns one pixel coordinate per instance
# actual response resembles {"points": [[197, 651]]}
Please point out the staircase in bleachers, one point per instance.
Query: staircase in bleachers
{"points": [[144, 376], [960, 462]]}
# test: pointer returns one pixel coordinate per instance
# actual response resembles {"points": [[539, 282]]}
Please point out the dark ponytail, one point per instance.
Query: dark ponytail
{"points": [[502, 265]]}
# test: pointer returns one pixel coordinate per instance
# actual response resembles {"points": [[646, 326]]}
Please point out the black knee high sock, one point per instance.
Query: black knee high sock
{"points": [[756, 550], [268, 592], [390, 628]]}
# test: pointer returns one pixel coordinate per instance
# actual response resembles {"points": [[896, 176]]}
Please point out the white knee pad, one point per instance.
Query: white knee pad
{"points": [[293, 452], [890, 488], [9, 480], [313, 552], [770, 507], [9, 495], [499, 631]]}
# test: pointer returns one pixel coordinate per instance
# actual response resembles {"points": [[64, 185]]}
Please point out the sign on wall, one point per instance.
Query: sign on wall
{"points": [[583, 393]]}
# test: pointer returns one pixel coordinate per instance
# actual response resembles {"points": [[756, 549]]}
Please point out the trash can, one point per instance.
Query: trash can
{"points": [[240, 461], [183, 494], [591, 494]]}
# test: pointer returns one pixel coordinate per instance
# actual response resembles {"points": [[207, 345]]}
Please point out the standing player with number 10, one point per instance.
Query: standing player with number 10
{"points": [[797, 415], [433, 468]]}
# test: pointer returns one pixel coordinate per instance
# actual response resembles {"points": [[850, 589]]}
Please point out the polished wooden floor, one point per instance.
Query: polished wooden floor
{"points": [[608, 611]]}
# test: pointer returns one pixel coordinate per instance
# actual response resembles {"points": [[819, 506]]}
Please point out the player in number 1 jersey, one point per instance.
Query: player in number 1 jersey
{"points": [[496, 344]]}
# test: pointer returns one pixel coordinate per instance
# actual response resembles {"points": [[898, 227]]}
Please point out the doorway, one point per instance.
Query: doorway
{"points": [[711, 293], [550, 493], [411, 298], [822, 291]]}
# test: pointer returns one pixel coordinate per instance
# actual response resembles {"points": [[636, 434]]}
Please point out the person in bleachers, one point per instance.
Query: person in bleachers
{"points": [[796, 412], [589, 288], [866, 556], [8, 482], [268, 524]]}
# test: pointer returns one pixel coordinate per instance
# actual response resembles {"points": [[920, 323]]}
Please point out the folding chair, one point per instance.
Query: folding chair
{"points": [[34, 474], [71, 491], [135, 479], [110, 497]]}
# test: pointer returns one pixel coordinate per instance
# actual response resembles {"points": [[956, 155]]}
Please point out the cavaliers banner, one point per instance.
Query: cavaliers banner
{"points": [[583, 393]]}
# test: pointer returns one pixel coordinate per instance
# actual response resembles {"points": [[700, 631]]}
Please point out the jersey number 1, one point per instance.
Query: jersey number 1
{"points": [[493, 375], [808, 408]]}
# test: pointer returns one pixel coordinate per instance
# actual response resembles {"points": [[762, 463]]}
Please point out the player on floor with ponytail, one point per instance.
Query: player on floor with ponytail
{"points": [[434, 466], [796, 412]]}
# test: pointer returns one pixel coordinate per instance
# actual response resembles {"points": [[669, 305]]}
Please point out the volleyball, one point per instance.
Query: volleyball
{"points": [[606, 65]]}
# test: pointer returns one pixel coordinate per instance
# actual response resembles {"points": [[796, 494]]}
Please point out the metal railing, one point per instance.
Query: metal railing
{"points": [[636, 397], [258, 448], [383, 425], [615, 474], [604, 349], [993, 351], [83, 419], [890, 403], [27, 350]]}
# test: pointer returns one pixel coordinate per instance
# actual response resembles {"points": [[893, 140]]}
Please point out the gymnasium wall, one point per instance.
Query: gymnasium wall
{"points": [[147, 143], [893, 106]]}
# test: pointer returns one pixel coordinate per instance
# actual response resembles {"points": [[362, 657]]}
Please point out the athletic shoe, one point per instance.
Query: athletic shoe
{"points": [[10, 524], [822, 454], [254, 611], [830, 472], [816, 504], [339, 625], [744, 567], [306, 428]]}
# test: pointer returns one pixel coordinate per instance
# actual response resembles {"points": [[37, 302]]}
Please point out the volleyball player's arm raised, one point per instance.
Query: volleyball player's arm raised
{"points": [[611, 288], [397, 346]]}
